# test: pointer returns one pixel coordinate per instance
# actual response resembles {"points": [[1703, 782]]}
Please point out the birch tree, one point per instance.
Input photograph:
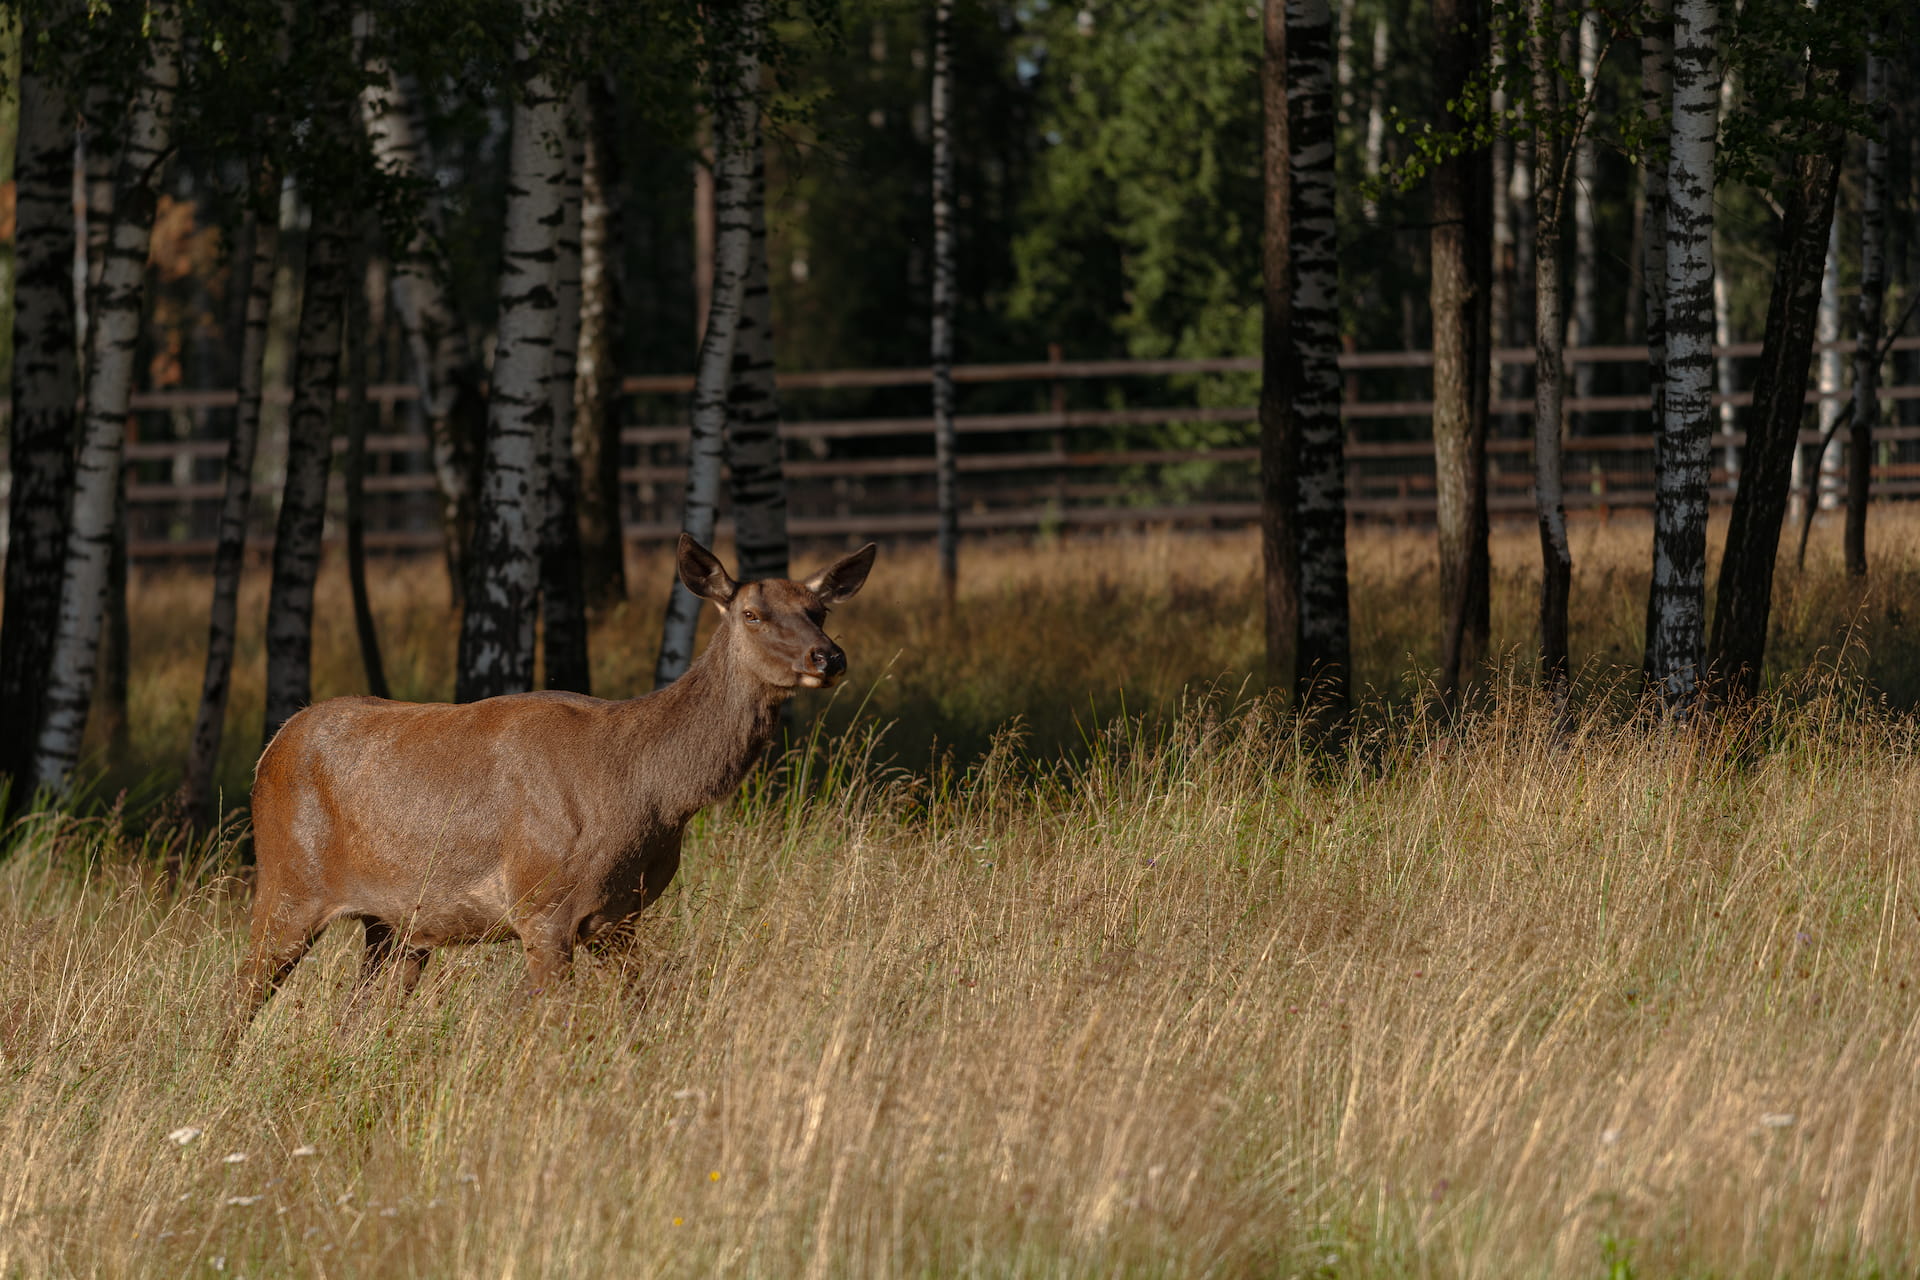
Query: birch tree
{"points": [[945, 442], [1583, 325], [1460, 361], [563, 608], [253, 277], [353, 464], [303, 497], [45, 389], [1556, 572], [1873, 292], [596, 417], [1279, 482], [757, 481], [503, 579], [1676, 602], [736, 141], [1322, 658], [445, 368], [1736, 644], [113, 336]]}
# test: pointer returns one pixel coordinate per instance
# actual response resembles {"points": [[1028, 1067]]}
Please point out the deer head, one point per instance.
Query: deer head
{"points": [[774, 626]]}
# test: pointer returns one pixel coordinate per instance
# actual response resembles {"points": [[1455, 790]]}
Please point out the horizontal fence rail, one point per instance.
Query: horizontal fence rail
{"points": [[1045, 445]]}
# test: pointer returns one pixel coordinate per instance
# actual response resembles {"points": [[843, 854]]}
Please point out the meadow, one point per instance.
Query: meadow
{"points": [[1052, 950]]}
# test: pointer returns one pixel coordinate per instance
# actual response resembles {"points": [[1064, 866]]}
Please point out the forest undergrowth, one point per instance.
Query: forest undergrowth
{"points": [[1184, 998]]}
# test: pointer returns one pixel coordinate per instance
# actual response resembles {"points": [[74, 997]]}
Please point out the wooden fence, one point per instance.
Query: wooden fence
{"points": [[1047, 445]]}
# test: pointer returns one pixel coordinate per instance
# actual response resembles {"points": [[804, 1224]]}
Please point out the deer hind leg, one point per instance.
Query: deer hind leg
{"points": [[383, 946]]}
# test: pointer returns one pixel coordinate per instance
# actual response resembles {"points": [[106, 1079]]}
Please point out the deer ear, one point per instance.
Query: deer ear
{"points": [[703, 573], [842, 579]]}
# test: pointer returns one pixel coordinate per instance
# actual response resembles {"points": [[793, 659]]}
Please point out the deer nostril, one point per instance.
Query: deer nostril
{"points": [[828, 662]]}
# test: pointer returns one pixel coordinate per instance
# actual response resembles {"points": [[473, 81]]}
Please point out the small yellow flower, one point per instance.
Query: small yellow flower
{"points": [[678, 1221], [714, 1176]]}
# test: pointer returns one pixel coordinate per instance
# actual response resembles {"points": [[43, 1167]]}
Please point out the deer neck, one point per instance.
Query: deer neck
{"points": [[704, 731]]}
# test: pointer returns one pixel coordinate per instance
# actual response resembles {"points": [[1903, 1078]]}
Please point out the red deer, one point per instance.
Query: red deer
{"points": [[551, 817]]}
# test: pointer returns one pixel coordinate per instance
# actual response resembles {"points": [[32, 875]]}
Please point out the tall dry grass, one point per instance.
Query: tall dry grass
{"points": [[1065, 637], [1188, 1001]]}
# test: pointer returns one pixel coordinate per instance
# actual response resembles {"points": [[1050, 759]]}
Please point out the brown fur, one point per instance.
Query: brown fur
{"points": [[550, 817]]}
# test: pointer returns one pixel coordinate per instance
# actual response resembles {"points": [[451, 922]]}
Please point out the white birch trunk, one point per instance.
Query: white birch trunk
{"points": [[503, 579], [1582, 320], [111, 342], [562, 601], [756, 479], [736, 130], [1723, 376], [596, 416], [1678, 593], [1376, 140], [443, 362], [1832, 366]]}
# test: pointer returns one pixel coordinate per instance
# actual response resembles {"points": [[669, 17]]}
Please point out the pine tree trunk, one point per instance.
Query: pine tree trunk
{"points": [[444, 365], [114, 335], [758, 485], [1556, 557], [1873, 291], [503, 577], [1583, 328], [1279, 482], [354, 466], [945, 442], [1676, 600], [596, 415], [253, 278], [1322, 666], [1737, 643], [303, 501], [563, 605], [41, 437], [736, 129], [1459, 352]]}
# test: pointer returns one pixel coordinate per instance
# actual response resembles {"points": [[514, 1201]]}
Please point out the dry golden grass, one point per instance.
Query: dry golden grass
{"points": [[1473, 1002]]}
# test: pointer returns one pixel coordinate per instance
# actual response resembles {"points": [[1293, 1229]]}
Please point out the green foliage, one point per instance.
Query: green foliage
{"points": [[1794, 67], [1149, 190]]}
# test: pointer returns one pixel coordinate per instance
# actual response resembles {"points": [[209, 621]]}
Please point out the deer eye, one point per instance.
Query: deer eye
{"points": [[750, 616]]}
